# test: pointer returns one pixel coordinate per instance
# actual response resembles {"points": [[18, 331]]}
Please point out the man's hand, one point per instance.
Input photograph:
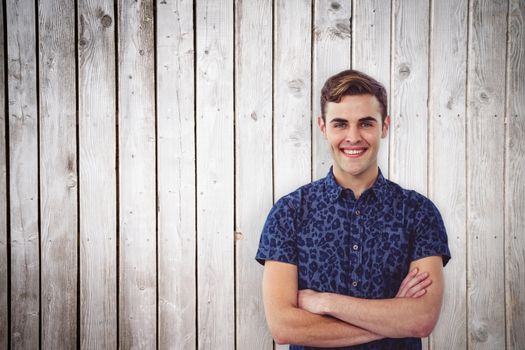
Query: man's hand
{"points": [[413, 286]]}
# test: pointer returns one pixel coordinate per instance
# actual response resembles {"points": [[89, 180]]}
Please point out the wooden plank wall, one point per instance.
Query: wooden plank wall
{"points": [[142, 144]]}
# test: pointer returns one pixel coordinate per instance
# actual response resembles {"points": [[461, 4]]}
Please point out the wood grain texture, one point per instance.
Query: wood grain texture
{"points": [[58, 175], [371, 34], [447, 186], [97, 175], [176, 175], [4, 307], [23, 174], [485, 169], [253, 153], [292, 76], [137, 197], [408, 128], [332, 45], [215, 174], [514, 179]]}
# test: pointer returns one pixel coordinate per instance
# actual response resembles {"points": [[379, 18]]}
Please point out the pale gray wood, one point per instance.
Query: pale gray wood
{"points": [[4, 307], [97, 177], [253, 150], [58, 175], [137, 198], [176, 175], [446, 177], [292, 98], [23, 174], [514, 179], [408, 128], [371, 36], [332, 46], [215, 174], [292, 76], [485, 169]]}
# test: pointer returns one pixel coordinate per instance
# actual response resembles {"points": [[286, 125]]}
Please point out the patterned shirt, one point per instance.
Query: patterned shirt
{"points": [[358, 247]]}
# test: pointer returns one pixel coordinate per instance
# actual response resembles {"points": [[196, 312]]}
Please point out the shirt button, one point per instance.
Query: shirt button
{"points": [[355, 247], [357, 212], [354, 284]]}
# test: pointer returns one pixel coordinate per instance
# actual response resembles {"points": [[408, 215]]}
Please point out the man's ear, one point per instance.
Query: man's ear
{"points": [[386, 125], [322, 126]]}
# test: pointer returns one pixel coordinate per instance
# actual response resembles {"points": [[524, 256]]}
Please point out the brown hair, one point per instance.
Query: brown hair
{"points": [[352, 82]]}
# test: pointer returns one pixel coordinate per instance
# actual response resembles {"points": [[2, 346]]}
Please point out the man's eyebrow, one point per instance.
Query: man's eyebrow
{"points": [[338, 120], [368, 119]]}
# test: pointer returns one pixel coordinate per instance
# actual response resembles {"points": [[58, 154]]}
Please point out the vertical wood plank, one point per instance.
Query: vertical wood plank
{"points": [[408, 148], [137, 198], [58, 174], [447, 186], [23, 177], [3, 197], [292, 97], [253, 150], [292, 76], [215, 169], [97, 175], [514, 179], [176, 175], [332, 46], [371, 52], [485, 169]]}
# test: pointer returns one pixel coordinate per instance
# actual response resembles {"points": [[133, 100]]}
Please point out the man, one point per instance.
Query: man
{"points": [[353, 260]]}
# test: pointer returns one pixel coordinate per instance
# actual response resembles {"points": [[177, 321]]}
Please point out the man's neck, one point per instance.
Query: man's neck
{"points": [[358, 184]]}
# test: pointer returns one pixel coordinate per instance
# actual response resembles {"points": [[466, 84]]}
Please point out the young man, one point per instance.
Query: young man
{"points": [[353, 260]]}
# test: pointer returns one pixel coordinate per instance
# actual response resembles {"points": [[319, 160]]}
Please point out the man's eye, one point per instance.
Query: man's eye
{"points": [[339, 125], [366, 124]]}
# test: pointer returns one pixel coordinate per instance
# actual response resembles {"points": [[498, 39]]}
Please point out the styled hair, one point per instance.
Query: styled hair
{"points": [[352, 82]]}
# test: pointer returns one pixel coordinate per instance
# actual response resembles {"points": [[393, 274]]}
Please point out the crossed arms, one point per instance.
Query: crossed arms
{"points": [[331, 320]]}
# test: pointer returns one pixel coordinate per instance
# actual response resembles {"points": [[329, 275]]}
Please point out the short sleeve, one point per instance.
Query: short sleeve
{"points": [[430, 236], [277, 240]]}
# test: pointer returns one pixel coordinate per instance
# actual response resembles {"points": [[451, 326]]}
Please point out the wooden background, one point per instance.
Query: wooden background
{"points": [[142, 144]]}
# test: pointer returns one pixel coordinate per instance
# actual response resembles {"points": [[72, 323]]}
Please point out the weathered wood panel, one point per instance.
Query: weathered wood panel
{"points": [[97, 175], [408, 147], [371, 52], [215, 175], [332, 45], [485, 169], [58, 175], [514, 179], [23, 174], [4, 332], [137, 193], [446, 177], [176, 175], [253, 154], [292, 76]]}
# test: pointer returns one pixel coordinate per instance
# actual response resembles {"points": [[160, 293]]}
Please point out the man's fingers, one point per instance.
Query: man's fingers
{"points": [[411, 282], [412, 292], [408, 277]]}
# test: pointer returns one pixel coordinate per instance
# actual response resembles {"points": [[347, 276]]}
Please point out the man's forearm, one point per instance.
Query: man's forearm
{"points": [[392, 318], [300, 327]]}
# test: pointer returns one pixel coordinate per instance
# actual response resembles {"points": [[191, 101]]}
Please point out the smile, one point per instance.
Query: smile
{"points": [[353, 153]]}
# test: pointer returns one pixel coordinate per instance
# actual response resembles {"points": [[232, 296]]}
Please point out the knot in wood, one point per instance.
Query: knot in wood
{"points": [[106, 21]]}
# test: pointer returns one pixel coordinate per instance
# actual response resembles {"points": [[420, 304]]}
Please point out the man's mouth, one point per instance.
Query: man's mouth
{"points": [[353, 153]]}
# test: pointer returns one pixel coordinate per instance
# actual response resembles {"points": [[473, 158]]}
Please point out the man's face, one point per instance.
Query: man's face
{"points": [[353, 130]]}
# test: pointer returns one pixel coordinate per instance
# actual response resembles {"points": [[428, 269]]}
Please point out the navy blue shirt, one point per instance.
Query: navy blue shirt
{"points": [[358, 247]]}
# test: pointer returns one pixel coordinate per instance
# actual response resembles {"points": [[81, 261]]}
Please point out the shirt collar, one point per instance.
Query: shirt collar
{"points": [[334, 189]]}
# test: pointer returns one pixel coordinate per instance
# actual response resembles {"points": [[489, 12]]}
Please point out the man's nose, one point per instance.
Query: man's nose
{"points": [[353, 135]]}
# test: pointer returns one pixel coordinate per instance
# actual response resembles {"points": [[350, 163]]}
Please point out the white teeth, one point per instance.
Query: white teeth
{"points": [[352, 151]]}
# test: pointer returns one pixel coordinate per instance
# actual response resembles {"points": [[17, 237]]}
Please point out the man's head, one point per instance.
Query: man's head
{"points": [[349, 83], [353, 121]]}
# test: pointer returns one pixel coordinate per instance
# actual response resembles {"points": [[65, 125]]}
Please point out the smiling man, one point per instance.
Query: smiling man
{"points": [[353, 260]]}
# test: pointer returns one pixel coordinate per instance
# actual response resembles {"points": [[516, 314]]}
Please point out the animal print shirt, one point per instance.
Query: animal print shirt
{"points": [[358, 247]]}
